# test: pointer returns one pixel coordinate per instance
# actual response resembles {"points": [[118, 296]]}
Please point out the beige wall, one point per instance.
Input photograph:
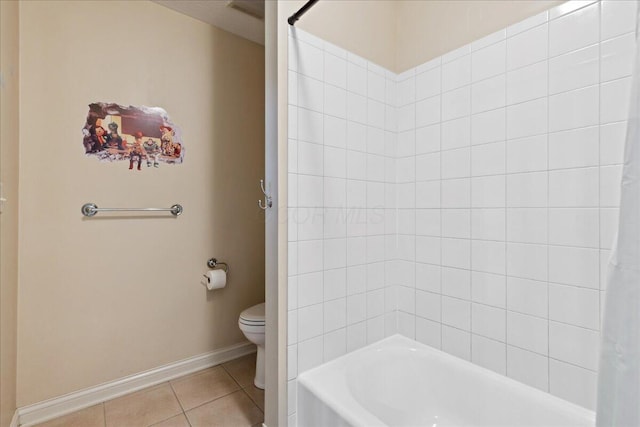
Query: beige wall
{"points": [[9, 73], [428, 29], [107, 297], [401, 34], [366, 28]]}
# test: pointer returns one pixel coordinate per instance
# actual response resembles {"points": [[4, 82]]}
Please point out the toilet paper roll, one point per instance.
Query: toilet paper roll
{"points": [[216, 279]]}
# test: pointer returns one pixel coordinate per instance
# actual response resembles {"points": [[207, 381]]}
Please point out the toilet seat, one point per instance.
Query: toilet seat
{"points": [[253, 316]]}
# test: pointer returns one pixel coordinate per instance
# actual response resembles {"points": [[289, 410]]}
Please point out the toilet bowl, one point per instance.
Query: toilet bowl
{"points": [[251, 323]]}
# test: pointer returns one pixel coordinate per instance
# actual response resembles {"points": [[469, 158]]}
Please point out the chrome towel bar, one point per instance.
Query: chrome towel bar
{"points": [[90, 209]]}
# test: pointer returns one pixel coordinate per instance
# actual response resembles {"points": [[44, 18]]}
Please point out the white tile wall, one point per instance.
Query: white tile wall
{"points": [[469, 203], [342, 203]]}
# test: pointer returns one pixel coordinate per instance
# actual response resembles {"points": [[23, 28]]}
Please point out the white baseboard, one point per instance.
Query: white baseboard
{"points": [[53, 408], [14, 420]]}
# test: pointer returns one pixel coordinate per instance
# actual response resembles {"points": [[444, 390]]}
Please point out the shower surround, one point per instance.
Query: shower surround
{"points": [[468, 203]]}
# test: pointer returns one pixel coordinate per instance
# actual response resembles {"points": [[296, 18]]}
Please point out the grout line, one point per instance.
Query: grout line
{"points": [[324, 177], [104, 414], [244, 390], [469, 208], [547, 213], [176, 395], [506, 222], [440, 207], [599, 323]]}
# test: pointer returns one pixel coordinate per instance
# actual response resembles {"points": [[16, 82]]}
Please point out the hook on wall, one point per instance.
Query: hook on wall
{"points": [[267, 198]]}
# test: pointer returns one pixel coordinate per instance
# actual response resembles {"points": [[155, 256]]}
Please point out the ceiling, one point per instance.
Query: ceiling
{"points": [[225, 14]]}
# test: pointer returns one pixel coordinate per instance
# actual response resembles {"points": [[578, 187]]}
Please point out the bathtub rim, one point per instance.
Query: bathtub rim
{"points": [[341, 403]]}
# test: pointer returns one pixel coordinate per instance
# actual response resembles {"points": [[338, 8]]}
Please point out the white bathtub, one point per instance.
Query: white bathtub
{"points": [[400, 382]]}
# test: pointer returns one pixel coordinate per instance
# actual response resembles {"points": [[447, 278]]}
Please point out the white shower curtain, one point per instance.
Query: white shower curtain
{"points": [[619, 373]]}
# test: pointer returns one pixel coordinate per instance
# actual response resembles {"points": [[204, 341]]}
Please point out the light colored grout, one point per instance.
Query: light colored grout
{"points": [[548, 216], [176, 395]]}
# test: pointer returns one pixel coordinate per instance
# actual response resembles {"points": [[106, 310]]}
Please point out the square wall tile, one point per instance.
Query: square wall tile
{"points": [[488, 224], [456, 73], [527, 261], [489, 354], [574, 30], [527, 83], [427, 111], [488, 256], [574, 109], [528, 297], [528, 367], [456, 342], [614, 100], [527, 225], [617, 17], [456, 223], [574, 227], [489, 61], [578, 346], [488, 126], [574, 148], [527, 154], [428, 332], [575, 306], [428, 83], [456, 253], [489, 322], [456, 283], [488, 94], [527, 332], [527, 119], [574, 70], [527, 190], [574, 188], [573, 383], [456, 103], [428, 277], [428, 305], [488, 289], [488, 159], [574, 266], [527, 47], [616, 57], [488, 192], [456, 313], [455, 133]]}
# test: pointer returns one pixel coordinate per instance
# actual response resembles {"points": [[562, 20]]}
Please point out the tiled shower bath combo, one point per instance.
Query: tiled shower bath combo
{"points": [[469, 203]]}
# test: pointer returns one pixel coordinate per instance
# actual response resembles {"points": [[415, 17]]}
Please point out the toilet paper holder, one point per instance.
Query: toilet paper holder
{"points": [[214, 263]]}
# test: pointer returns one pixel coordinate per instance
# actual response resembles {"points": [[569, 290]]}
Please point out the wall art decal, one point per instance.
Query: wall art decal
{"points": [[135, 135]]}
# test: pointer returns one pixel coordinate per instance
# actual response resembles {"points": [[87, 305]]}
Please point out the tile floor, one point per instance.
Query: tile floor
{"points": [[223, 395]]}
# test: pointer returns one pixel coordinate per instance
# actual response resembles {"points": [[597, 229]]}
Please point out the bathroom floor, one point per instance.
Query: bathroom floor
{"points": [[223, 395]]}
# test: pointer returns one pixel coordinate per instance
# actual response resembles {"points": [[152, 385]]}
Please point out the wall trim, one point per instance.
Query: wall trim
{"points": [[14, 420], [57, 406]]}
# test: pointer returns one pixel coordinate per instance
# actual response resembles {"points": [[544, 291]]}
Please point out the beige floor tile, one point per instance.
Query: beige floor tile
{"points": [[92, 416], [257, 395], [142, 408], [242, 369], [234, 410], [177, 421], [203, 387]]}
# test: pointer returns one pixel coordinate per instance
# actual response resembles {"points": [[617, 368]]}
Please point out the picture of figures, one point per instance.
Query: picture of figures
{"points": [[139, 135]]}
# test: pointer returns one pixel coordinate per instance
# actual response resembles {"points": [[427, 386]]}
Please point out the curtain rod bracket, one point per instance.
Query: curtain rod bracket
{"points": [[293, 18]]}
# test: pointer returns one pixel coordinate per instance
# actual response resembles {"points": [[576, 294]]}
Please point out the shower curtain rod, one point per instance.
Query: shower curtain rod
{"points": [[293, 18]]}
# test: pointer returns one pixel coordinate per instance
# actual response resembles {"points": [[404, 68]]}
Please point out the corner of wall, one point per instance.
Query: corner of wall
{"points": [[9, 76]]}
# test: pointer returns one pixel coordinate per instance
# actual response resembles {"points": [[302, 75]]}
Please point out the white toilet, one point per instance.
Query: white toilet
{"points": [[251, 323]]}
